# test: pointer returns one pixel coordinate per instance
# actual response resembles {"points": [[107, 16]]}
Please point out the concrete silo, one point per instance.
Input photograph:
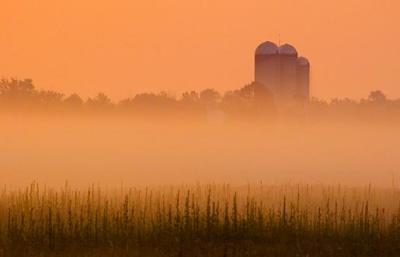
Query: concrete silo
{"points": [[267, 68], [285, 75], [288, 72], [303, 80]]}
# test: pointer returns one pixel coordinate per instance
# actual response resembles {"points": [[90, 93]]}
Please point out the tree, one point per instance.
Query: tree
{"points": [[50, 97], [190, 97], [209, 97], [377, 96], [248, 91], [101, 101], [17, 91], [74, 100]]}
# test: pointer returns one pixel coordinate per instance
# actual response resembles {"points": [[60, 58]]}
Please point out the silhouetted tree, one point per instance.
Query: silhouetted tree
{"points": [[252, 99], [190, 103], [343, 102], [377, 97], [17, 92], [318, 107], [189, 98], [248, 91], [100, 102], [150, 102], [209, 97], [16, 87], [50, 97], [74, 100]]}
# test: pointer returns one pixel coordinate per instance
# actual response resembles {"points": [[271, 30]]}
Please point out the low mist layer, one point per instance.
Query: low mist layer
{"points": [[111, 151]]}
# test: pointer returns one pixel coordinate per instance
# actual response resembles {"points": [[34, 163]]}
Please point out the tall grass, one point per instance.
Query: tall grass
{"points": [[307, 218]]}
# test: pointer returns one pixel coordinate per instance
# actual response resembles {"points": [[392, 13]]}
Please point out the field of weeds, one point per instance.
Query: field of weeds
{"points": [[200, 220]]}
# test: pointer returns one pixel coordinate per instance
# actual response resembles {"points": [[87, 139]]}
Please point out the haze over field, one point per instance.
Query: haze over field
{"points": [[111, 151]]}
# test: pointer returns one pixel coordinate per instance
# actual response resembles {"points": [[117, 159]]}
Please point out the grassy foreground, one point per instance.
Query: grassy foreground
{"points": [[201, 220]]}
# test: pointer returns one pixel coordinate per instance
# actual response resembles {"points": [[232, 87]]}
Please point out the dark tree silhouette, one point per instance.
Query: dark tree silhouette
{"points": [[50, 97], [150, 102], [17, 92], [252, 99], [209, 97], [189, 98], [74, 100], [377, 96], [101, 101]]}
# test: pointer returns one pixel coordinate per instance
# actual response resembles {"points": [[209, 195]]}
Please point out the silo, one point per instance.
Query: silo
{"points": [[288, 70], [267, 66], [303, 79]]}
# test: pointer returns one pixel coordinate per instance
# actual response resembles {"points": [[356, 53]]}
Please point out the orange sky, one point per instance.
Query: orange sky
{"points": [[123, 47]]}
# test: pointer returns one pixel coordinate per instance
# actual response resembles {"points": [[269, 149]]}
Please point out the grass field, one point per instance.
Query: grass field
{"points": [[200, 220]]}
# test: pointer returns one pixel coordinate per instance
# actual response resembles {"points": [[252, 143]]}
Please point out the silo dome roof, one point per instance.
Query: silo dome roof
{"points": [[303, 61], [287, 49], [267, 48]]}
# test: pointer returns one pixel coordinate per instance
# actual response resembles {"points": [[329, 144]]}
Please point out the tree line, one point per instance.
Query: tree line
{"points": [[250, 100]]}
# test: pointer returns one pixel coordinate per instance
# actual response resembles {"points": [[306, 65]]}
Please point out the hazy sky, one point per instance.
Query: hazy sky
{"points": [[123, 47]]}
